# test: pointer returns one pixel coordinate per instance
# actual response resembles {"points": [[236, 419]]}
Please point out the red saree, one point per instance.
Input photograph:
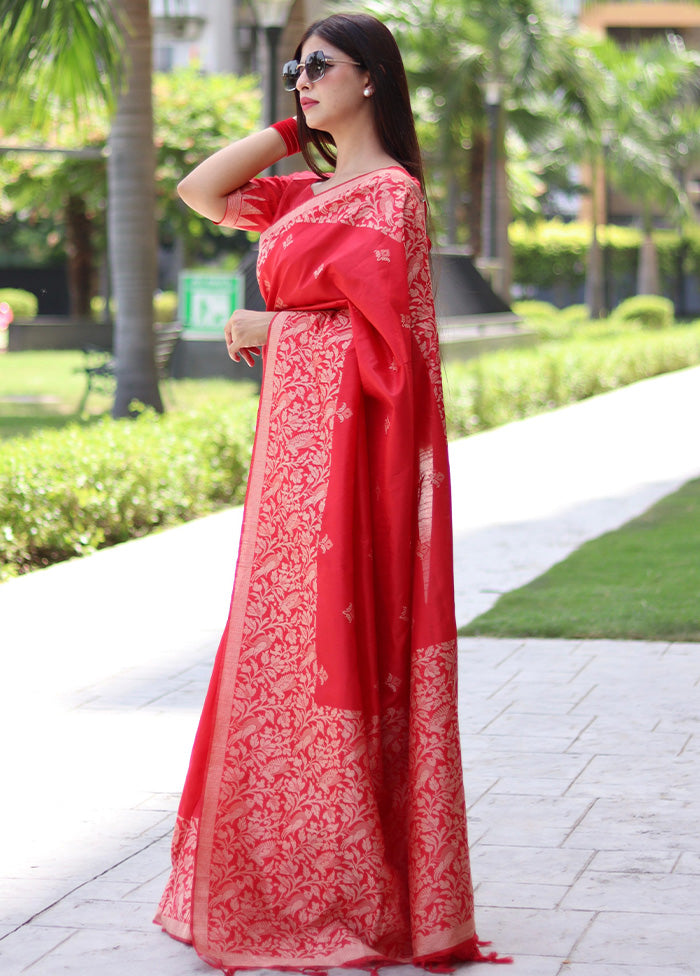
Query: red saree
{"points": [[323, 817]]}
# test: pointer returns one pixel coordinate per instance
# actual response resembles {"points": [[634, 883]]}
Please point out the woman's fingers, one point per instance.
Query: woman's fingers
{"points": [[245, 333]]}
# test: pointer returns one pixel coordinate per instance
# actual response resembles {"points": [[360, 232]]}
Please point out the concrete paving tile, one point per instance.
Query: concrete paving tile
{"points": [[555, 700], [687, 723], [515, 722], [512, 834], [30, 894], [688, 863], [556, 812], [613, 776], [537, 765], [635, 862], [494, 650], [527, 865], [692, 747], [598, 741], [521, 966], [483, 745], [167, 802], [618, 826], [557, 655], [532, 786], [121, 953], [512, 895], [88, 913], [143, 866], [661, 894], [619, 969], [128, 692], [28, 944], [189, 697], [477, 785], [150, 892], [523, 931], [104, 889], [640, 939]]}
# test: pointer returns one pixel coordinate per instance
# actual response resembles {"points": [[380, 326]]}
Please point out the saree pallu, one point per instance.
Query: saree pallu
{"points": [[323, 818]]}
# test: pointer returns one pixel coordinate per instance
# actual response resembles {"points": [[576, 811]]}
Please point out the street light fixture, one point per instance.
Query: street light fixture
{"points": [[179, 20], [272, 16], [492, 97]]}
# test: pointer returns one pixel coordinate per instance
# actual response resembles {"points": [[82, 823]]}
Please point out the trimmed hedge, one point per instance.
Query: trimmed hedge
{"points": [[165, 304], [548, 252], [70, 492], [506, 386], [24, 304], [651, 311]]}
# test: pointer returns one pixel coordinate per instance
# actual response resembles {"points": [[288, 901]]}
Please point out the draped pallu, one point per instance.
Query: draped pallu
{"points": [[323, 817]]}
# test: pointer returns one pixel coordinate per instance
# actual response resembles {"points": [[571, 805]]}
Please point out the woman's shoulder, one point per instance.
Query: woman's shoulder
{"points": [[398, 183]]}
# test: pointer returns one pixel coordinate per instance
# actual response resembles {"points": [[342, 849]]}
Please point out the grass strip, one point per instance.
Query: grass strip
{"points": [[639, 582]]}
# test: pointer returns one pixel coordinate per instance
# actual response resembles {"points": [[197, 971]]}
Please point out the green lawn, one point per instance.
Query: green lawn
{"points": [[46, 389], [639, 582]]}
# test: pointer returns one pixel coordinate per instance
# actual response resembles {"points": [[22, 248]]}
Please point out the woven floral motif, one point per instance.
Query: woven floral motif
{"points": [[323, 820]]}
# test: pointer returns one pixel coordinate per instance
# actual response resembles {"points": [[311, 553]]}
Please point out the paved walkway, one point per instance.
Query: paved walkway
{"points": [[582, 758]]}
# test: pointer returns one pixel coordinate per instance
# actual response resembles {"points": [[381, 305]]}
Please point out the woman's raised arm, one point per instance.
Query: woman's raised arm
{"points": [[205, 189]]}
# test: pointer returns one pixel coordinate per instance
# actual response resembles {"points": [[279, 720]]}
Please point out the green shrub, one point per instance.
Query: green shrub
{"points": [[70, 492], [164, 306], [97, 307], [24, 304], [575, 315], [543, 318], [652, 311], [505, 386], [529, 308]]}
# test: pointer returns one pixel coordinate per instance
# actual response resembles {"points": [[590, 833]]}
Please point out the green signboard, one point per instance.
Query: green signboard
{"points": [[207, 299]]}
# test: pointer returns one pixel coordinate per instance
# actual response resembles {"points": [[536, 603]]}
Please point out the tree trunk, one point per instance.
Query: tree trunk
{"points": [[503, 212], [648, 267], [131, 220], [477, 165], [594, 296], [81, 271]]}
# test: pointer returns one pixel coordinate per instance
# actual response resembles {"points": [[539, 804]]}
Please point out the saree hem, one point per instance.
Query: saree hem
{"points": [[445, 961]]}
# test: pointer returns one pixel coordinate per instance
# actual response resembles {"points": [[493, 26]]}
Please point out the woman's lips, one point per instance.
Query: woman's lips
{"points": [[307, 103]]}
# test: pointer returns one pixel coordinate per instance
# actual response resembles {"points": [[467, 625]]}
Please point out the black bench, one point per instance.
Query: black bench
{"points": [[100, 364]]}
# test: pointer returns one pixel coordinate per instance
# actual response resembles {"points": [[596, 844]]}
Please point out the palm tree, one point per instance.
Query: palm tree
{"points": [[82, 51], [642, 122], [658, 129], [457, 52], [131, 224]]}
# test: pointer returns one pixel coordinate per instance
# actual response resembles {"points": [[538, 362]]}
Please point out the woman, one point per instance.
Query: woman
{"points": [[323, 819]]}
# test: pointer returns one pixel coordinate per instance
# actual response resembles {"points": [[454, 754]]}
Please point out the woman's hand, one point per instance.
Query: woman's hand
{"points": [[245, 333]]}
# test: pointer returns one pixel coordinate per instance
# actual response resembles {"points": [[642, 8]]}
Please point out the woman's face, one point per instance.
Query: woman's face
{"points": [[336, 98]]}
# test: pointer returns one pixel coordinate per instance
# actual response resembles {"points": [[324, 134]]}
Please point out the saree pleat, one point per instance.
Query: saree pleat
{"points": [[323, 819]]}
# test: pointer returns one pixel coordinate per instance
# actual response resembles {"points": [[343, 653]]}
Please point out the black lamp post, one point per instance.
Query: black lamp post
{"points": [[271, 16], [492, 98]]}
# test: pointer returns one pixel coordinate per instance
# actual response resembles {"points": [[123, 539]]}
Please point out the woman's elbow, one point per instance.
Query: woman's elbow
{"points": [[184, 189], [202, 202]]}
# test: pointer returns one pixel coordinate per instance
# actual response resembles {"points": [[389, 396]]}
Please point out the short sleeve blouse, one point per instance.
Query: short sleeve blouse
{"points": [[258, 204]]}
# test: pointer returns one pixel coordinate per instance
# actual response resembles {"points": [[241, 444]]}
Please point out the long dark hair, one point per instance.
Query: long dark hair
{"points": [[366, 40]]}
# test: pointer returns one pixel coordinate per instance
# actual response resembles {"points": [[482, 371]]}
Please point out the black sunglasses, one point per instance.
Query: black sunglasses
{"points": [[315, 66]]}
